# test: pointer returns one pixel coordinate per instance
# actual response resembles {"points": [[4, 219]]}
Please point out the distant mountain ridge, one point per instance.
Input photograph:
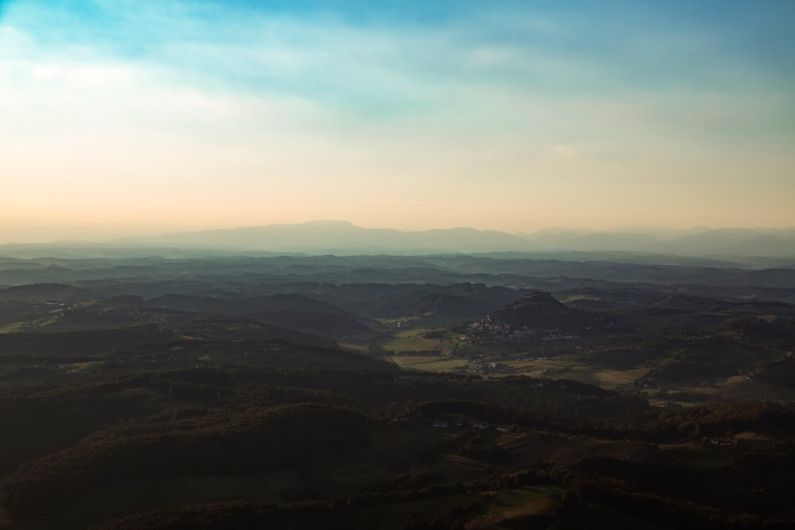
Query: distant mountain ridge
{"points": [[344, 237]]}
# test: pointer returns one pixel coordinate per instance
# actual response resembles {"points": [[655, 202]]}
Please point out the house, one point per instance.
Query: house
{"points": [[719, 442]]}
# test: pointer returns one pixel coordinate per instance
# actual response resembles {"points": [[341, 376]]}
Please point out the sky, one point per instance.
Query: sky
{"points": [[127, 117]]}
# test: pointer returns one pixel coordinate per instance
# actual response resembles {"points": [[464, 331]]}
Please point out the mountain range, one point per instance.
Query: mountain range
{"points": [[768, 247], [344, 237]]}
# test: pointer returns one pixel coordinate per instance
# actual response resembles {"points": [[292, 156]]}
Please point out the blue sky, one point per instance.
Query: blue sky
{"points": [[151, 115]]}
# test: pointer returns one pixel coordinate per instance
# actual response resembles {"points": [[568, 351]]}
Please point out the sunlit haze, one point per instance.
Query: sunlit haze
{"points": [[120, 118]]}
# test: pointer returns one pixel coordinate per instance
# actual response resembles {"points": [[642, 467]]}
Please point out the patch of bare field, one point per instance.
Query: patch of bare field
{"points": [[509, 507], [617, 378]]}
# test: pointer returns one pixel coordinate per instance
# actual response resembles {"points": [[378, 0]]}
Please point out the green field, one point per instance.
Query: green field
{"points": [[412, 340], [511, 507], [26, 325], [737, 387], [416, 340], [431, 363]]}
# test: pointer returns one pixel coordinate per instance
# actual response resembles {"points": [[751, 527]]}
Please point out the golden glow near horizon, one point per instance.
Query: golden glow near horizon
{"points": [[123, 118]]}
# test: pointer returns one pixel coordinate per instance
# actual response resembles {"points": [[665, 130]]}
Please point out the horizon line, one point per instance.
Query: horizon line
{"points": [[619, 229]]}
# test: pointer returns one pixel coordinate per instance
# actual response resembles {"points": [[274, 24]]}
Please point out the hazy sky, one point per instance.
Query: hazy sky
{"points": [[140, 116]]}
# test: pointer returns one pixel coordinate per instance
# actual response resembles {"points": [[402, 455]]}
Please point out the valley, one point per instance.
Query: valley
{"points": [[392, 393]]}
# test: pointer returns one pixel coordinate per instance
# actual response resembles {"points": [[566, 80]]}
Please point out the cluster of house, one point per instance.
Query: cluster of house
{"points": [[55, 307], [459, 423], [645, 382], [560, 336], [396, 323], [720, 442], [490, 330], [444, 424], [485, 367]]}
